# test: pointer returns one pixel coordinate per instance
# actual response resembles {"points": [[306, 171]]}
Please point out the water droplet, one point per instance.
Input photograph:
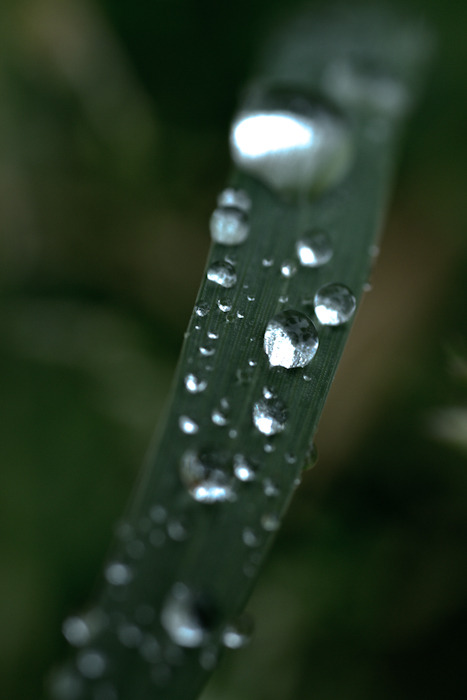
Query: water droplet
{"points": [[244, 469], [288, 268], [79, 630], [219, 418], [91, 663], [290, 458], [268, 393], [195, 385], [334, 304], [270, 522], [207, 476], [187, 425], [158, 513], [187, 617], [233, 434], [206, 351], [202, 309], [250, 538], [238, 633], [240, 314], [250, 297], [269, 447], [292, 142], [267, 262], [290, 340], [177, 529], [269, 416], [315, 249], [283, 299], [231, 197], [224, 306], [270, 488], [222, 273], [118, 574], [229, 226], [311, 457], [129, 635], [212, 335]]}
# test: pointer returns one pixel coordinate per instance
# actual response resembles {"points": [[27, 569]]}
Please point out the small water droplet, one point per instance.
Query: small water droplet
{"points": [[206, 351], [250, 538], [291, 141], [202, 309], [270, 488], [238, 633], [314, 249], [79, 630], [118, 574], [268, 393], [232, 197], [129, 635], [290, 458], [177, 529], [267, 262], [91, 663], [187, 425], [283, 299], [269, 416], [222, 273], [195, 385], [207, 476], [224, 306], [367, 287], [269, 447], [270, 522], [187, 617], [290, 340], [212, 335], [311, 457], [334, 304], [244, 469], [306, 378], [250, 297], [233, 434], [240, 314], [158, 513], [288, 268], [229, 226], [219, 418]]}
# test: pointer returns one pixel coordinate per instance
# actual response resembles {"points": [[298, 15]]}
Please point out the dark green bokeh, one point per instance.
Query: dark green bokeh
{"points": [[113, 125]]}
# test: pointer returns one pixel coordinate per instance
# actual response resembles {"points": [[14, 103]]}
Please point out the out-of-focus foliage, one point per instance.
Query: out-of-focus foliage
{"points": [[113, 121]]}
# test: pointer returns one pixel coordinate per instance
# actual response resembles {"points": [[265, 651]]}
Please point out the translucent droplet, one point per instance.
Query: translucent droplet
{"points": [[267, 262], [222, 273], [238, 633], [212, 335], [269, 416], [244, 469], [269, 447], [195, 385], [283, 299], [187, 425], [290, 340], [91, 663], [288, 268], [202, 309], [219, 418], [186, 617], [294, 143], [270, 522], [315, 249], [231, 197], [250, 538], [270, 488], [224, 306], [118, 574], [311, 457], [268, 393], [158, 513], [79, 630], [206, 351], [334, 304], [229, 225], [207, 476], [177, 529]]}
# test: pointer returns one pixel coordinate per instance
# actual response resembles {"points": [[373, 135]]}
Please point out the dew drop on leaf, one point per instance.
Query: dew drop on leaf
{"points": [[315, 249], [207, 476], [288, 268], [195, 385], [244, 469], [290, 340], [269, 416], [222, 273], [187, 425], [229, 225], [238, 633], [334, 304], [187, 617], [118, 574], [232, 197]]}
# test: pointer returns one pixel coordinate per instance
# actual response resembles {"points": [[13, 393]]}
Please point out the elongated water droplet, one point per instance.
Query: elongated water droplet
{"points": [[187, 617], [238, 633], [222, 273], [293, 142], [269, 416], [290, 340], [244, 469], [195, 385], [315, 249], [334, 304], [207, 476], [229, 226], [231, 197], [188, 425]]}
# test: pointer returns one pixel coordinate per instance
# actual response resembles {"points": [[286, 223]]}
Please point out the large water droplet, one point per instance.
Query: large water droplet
{"points": [[290, 340], [269, 416], [334, 304], [229, 226], [231, 197], [238, 633], [207, 476], [186, 616], [222, 273], [195, 385], [291, 141], [314, 249]]}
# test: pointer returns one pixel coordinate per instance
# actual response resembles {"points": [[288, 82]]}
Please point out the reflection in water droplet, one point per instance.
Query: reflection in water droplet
{"points": [[91, 663], [292, 142], [219, 418], [222, 273], [206, 351], [268, 393], [270, 522], [186, 617], [269, 416], [231, 197], [290, 340], [195, 385], [244, 469], [187, 425], [224, 306], [129, 635], [238, 633], [288, 268], [334, 304], [229, 226], [283, 299], [314, 249], [202, 309], [207, 476], [118, 574], [267, 262]]}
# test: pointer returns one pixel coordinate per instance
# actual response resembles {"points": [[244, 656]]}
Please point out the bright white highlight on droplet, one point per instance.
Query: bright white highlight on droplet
{"points": [[264, 134]]}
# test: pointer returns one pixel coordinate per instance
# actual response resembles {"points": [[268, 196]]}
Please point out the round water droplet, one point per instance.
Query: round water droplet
{"points": [[129, 635], [195, 385], [270, 522], [76, 631], [334, 304], [238, 633], [207, 476], [288, 268], [283, 299], [206, 351], [219, 418], [290, 340], [314, 249], [187, 617], [91, 663], [222, 273], [268, 393], [118, 574], [212, 335], [232, 197], [229, 226], [269, 416], [293, 142], [244, 469], [158, 513], [270, 488], [202, 309], [187, 425], [267, 262], [224, 306], [250, 538]]}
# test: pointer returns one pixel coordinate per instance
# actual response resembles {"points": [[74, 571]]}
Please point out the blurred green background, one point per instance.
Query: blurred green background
{"points": [[113, 124]]}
